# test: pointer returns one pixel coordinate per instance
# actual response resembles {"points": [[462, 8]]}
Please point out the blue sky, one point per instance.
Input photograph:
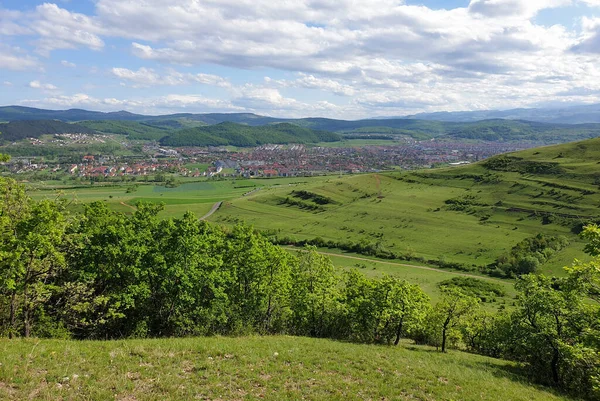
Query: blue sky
{"points": [[332, 58]]}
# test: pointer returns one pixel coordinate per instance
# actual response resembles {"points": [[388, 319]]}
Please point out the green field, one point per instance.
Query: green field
{"points": [[404, 212], [407, 212], [191, 195], [427, 278], [252, 368]]}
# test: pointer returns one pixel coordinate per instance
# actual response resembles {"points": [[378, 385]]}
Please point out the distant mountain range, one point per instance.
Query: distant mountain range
{"points": [[205, 129], [557, 115]]}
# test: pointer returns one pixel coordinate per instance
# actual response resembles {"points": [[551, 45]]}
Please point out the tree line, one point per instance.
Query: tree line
{"points": [[101, 274]]}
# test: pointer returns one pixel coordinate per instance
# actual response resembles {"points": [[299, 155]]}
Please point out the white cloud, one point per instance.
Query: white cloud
{"points": [[589, 41], [270, 101], [9, 23], [42, 86], [513, 8], [309, 81], [68, 64], [146, 77], [154, 105], [14, 58], [61, 29], [383, 56], [7, 83]]}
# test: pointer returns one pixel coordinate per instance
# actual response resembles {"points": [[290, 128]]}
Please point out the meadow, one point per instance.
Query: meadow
{"points": [[468, 214], [252, 368], [411, 212]]}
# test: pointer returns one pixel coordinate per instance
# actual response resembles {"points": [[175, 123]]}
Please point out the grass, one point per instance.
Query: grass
{"points": [[428, 280], [252, 368], [406, 212], [408, 218]]}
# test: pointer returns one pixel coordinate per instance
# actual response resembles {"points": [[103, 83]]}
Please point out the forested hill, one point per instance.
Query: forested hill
{"points": [[243, 135], [510, 130], [17, 130], [134, 130], [247, 129]]}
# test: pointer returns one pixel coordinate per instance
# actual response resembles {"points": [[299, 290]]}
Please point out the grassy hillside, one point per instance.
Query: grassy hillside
{"points": [[243, 135], [271, 368], [468, 215], [17, 130]]}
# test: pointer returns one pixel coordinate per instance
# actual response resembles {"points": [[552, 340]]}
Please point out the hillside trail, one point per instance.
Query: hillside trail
{"points": [[215, 207], [129, 206], [403, 265]]}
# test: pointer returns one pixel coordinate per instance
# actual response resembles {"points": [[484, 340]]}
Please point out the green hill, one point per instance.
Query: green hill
{"points": [[17, 130], [463, 217], [271, 368], [149, 127], [243, 135], [508, 130]]}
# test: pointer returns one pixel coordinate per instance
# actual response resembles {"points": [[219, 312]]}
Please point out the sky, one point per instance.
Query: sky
{"points": [[346, 59]]}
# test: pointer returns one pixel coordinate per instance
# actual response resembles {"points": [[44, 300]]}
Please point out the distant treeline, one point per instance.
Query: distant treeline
{"points": [[518, 165], [370, 248], [524, 258], [243, 135], [244, 129], [18, 130], [100, 274], [372, 137], [133, 130]]}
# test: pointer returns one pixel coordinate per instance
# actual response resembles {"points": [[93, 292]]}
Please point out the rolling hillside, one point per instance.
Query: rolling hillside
{"points": [[269, 368], [561, 115], [466, 215], [494, 128]]}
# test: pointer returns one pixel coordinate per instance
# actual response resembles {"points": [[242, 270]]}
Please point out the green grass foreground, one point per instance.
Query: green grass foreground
{"points": [[248, 368]]}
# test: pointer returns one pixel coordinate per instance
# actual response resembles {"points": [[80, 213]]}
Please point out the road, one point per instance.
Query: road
{"points": [[403, 265], [215, 207]]}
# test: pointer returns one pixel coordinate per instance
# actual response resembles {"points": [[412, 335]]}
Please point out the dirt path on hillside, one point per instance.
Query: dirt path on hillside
{"points": [[129, 206], [402, 265], [215, 207]]}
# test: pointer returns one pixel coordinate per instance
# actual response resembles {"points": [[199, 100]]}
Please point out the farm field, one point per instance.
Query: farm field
{"points": [[252, 368], [190, 195]]}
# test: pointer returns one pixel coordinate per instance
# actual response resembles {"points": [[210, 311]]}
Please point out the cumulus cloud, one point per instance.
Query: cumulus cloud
{"points": [[146, 77], [42, 86], [590, 37], [61, 29], [14, 58], [68, 64], [153, 105], [383, 56], [270, 101], [309, 81], [512, 8], [10, 23]]}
